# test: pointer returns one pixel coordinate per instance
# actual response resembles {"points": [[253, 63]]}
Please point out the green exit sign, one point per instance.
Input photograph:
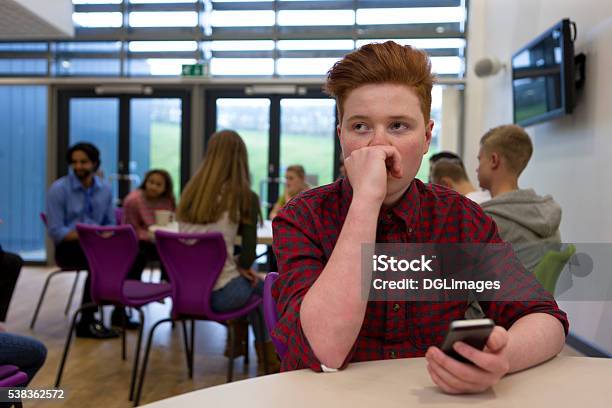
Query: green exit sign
{"points": [[195, 70]]}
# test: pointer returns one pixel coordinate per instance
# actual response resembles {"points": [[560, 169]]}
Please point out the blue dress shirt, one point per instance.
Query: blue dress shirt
{"points": [[69, 203]]}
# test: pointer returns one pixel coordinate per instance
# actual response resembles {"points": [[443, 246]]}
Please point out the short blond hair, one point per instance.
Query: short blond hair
{"points": [[450, 168], [512, 143]]}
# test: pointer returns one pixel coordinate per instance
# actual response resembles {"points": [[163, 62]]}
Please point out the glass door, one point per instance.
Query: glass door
{"points": [[307, 138], [135, 133], [279, 131], [155, 138], [96, 121], [251, 119]]}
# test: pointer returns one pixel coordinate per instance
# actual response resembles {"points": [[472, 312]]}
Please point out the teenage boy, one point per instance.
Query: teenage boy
{"points": [[383, 97], [451, 174], [443, 155], [528, 221]]}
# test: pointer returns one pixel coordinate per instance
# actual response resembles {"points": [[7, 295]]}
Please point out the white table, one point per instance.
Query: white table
{"points": [[572, 382], [264, 231]]}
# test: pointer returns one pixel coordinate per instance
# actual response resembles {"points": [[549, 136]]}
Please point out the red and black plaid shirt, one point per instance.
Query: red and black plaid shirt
{"points": [[305, 234]]}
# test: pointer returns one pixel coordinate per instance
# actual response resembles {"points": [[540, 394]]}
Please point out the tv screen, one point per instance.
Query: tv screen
{"points": [[543, 80]]}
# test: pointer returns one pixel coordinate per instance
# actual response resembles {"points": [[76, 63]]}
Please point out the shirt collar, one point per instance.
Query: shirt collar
{"points": [[75, 183]]}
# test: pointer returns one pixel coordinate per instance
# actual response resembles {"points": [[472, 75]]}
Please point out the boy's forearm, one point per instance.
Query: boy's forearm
{"points": [[534, 338], [332, 311]]}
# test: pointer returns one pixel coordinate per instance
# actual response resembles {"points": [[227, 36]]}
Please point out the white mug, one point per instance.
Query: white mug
{"points": [[163, 217]]}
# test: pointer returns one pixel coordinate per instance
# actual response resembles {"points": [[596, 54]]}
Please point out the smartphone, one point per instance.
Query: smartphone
{"points": [[474, 332]]}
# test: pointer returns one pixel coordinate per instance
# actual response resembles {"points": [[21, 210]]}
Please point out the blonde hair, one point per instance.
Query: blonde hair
{"points": [[222, 183], [450, 168], [298, 169], [380, 63], [512, 143]]}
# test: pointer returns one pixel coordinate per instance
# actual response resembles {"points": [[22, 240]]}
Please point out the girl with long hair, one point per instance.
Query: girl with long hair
{"points": [[154, 194], [219, 198]]}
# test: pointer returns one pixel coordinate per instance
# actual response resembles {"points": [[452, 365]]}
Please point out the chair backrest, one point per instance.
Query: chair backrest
{"points": [[194, 262], [270, 312], [10, 376], [118, 215], [110, 252], [8, 370], [551, 265], [43, 218]]}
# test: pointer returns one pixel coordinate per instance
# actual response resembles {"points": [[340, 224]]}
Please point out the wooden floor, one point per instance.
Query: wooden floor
{"points": [[95, 375]]}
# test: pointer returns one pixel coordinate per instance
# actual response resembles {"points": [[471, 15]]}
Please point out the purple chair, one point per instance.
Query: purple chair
{"points": [[62, 269], [270, 312], [110, 252], [194, 262], [10, 376]]}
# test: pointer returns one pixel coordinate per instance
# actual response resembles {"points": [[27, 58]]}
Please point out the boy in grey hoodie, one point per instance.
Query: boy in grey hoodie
{"points": [[528, 221]]}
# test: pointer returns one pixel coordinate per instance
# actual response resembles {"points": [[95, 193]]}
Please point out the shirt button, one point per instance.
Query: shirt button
{"points": [[396, 307], [392, 354]]}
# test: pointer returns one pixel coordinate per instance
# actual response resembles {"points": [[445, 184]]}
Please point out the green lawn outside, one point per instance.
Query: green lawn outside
{"points": [[315, 153], [165, 150]]}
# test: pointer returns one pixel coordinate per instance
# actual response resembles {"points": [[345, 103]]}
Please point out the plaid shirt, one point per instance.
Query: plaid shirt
{"points": [[305, 233]]}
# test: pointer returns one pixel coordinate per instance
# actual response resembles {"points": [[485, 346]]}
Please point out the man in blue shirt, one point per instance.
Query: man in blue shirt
{"points": [[80, 197]]}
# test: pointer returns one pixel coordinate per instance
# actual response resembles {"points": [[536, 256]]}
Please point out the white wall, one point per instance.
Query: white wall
{"points": [[572, 158], [35, 19]]}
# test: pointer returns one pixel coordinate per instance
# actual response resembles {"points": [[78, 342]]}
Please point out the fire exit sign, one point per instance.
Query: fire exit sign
{"points": [[195, 70]]}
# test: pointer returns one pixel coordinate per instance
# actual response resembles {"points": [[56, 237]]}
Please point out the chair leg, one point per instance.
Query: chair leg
{"points": [[246, 355], [71, 296], [42, 296], [68, 341], [145, 361], [192, 348], [187, 348], [230, 363], [137, 352], [261, 326], [101, 311], [123, 331]]}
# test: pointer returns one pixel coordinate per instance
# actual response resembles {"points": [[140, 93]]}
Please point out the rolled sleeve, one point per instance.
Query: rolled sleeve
{"points": [[131, 215], [55, 214], [300, 262], [524, 295], [521, 294], [248, 232], [109, 213]]}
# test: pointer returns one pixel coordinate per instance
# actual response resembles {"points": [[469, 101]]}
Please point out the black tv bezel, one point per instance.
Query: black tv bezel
{"points": [[568, 88]]}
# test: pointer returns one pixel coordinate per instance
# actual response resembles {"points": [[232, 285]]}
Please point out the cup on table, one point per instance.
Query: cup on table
{"points": [[163, 217]]}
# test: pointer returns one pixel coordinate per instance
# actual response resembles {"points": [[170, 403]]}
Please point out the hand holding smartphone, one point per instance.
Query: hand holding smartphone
{"points": [[474, 332]]}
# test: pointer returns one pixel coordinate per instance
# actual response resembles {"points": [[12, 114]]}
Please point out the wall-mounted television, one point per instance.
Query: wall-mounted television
{"points": [[543, 78]]}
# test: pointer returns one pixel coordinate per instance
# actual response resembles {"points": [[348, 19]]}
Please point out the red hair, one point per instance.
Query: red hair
{"points": [[388, 62]]}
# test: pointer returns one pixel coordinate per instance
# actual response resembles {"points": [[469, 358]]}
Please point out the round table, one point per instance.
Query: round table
{"points": [[264, 231], [562, 382]]}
